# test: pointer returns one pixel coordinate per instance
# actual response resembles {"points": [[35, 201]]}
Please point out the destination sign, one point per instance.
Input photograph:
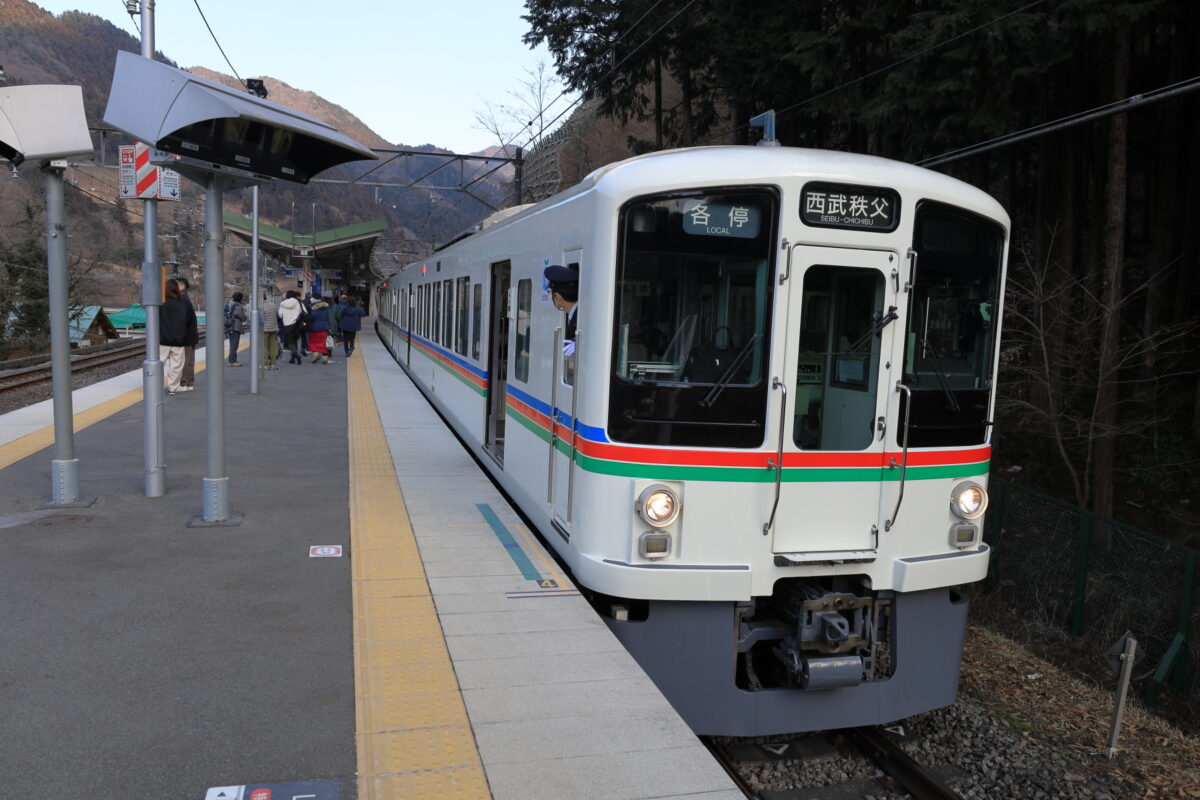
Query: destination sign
{"points": [[701, 218], [840, 205]]}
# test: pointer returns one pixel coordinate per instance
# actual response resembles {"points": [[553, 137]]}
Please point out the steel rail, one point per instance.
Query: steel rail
{"points": [[912, 776], [40, 373]]}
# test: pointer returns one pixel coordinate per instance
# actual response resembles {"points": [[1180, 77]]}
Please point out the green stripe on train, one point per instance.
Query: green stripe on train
{"points": [[478, 389]]}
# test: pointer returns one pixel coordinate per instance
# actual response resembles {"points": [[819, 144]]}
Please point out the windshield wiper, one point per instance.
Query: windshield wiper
{"points": [[725, 379], [951, 400], [876, 329]]}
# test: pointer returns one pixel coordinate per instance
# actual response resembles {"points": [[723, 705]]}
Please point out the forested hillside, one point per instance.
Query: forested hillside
{"points": [[106, 232], [1100, 397]]}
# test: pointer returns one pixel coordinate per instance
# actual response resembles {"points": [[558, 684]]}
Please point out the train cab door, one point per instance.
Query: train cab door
{"points": [[841, 306], [564, 394], [499, 320]]}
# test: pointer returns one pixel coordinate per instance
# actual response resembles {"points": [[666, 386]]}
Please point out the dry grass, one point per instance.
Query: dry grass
{"points": [[1030, 693]]}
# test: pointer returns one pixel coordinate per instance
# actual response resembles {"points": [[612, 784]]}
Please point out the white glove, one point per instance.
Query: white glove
{"points": [[569, 347]]}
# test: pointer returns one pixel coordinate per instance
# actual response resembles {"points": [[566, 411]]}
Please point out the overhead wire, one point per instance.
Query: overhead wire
{"points": [[886, 68], [630, 54], [214, 38]]}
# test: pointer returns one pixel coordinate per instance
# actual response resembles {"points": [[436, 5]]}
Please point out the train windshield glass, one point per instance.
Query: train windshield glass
{"points": [[951, 339], [691, 335]]}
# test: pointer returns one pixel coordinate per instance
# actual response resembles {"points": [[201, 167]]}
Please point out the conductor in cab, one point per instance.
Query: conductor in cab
{"points": [[564, 292]]}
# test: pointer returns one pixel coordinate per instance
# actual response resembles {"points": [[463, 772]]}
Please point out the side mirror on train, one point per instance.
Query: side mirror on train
{"points": [[41, 124], [200, 127]]}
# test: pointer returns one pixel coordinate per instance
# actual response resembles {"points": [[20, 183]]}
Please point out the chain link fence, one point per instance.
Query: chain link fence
{"points": [[1095, 578]]}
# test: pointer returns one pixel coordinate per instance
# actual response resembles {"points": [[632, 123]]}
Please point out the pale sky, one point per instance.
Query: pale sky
{"points": [[414, 72]]}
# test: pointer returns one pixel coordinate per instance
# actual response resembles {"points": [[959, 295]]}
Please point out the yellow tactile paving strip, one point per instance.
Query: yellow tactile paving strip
{"points": [[414, 739]]}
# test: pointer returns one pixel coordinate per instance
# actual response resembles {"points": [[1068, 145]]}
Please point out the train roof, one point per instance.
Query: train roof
{"points": [[695, 167]]}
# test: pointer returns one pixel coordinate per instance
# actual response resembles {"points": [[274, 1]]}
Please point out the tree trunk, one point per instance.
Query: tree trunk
{"points": [[658, 107], [1105, 417]]}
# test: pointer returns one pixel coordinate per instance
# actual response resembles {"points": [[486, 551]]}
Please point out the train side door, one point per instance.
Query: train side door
{"points": [[498, 359], [563, 401], [409, 317], [839, 339]]}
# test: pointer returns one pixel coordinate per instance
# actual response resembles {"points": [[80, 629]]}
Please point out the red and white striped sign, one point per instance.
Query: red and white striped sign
{"points": [[143, 180]]}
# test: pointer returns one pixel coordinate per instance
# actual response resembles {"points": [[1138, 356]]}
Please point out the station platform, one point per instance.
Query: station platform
{"points": [[442, 654]]}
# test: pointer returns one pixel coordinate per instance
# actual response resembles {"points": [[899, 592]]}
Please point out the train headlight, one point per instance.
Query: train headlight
{"points": [[969, 500], [658, 506]]}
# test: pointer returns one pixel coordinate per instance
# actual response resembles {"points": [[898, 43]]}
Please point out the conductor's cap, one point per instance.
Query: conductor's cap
{"points": [[559, 274]]}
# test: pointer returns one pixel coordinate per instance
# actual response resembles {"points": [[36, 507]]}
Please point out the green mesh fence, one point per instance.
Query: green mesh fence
{"points": [[1097, 578]]}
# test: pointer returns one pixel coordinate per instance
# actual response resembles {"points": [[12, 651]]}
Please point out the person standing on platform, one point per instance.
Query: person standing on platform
{"points": [[270, 333], [235, 326], [187, 381], [318, 330], [351, 319], [290, 312], [335, 312], [177, 327]]}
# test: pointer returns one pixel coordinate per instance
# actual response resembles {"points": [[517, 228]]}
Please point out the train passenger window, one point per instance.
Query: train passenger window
{"points": [[524, 311], [837, 374], [950, 345], [460, 334], [692, 324], [448, 313], [477, 313], [436, 333]]}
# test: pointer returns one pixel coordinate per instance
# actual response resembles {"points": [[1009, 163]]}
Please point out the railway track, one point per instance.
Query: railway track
{"points": [[892, 771], [22, 377]]}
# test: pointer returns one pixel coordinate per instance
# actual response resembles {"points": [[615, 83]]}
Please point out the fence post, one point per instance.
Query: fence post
{"points": [[1083, 557], [994, 529], [1187, 599]]}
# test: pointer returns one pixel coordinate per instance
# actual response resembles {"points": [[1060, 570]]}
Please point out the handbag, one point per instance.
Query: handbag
{"points": [[329, 343]]}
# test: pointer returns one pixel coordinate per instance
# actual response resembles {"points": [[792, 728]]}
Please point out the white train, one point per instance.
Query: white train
{"points": [[766, 461]]}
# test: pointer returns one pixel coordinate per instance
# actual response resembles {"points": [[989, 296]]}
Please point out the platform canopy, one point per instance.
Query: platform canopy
{"points": [[347, 248]]}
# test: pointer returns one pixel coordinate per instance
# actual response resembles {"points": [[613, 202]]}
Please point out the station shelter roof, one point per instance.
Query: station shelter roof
{"points": [[347, 248]]}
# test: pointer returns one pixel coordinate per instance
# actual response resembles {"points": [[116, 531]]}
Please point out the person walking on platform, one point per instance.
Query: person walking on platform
{"points": [[187, 381], [235, 326], [351, 320], [270, 334], [291, 312], [318, 330], [177, 327]]}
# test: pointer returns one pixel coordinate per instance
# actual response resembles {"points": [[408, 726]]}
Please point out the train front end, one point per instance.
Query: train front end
{"points": [[791, 477]]}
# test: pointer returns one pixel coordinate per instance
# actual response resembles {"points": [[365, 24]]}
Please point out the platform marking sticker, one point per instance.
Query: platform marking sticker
{"points": [[324, 551], [301, 790], [528, 571]]}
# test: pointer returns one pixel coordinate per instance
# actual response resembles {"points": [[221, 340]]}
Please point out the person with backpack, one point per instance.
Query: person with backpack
{"points": [[318, 330], [235, 325], [291, 316]]}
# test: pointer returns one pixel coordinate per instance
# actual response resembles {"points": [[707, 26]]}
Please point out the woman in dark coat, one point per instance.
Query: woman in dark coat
{"points": [[176, 330], [351, 322], [318, 330]]}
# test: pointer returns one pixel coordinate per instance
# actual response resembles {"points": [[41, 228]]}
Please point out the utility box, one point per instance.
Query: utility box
{"points": [[41, 124], [202, 127]]}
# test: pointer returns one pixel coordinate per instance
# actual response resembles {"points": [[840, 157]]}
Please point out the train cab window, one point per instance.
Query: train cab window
{"points": [[950, 344], [477, 315], [461, 319], [692, 324], [524, 311], [837, 373]]}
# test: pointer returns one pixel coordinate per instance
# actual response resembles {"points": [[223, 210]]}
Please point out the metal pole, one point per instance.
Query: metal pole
{"points": [[1127, 658], [154, 450], [255, 309], [216, 482], [64, 467]]}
